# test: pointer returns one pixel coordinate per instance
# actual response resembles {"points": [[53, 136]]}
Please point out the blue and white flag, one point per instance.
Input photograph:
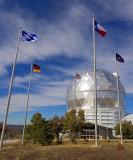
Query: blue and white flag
{"points": [[26, 36]]}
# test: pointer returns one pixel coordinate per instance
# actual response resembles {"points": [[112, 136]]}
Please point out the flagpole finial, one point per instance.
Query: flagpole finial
{"points": [[20, 27]]}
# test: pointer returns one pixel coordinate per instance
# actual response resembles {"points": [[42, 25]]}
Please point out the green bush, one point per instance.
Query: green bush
{"points": [[127, 129], [40, 130]]}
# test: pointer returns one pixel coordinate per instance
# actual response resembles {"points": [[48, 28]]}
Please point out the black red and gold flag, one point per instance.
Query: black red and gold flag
{"points": [[36, 68]]}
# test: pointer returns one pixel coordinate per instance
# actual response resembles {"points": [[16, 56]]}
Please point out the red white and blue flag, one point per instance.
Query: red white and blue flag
{"points": [[100, 29], [77, 76]]}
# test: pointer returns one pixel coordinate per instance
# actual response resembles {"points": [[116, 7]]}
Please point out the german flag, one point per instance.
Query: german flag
{"points": [[36, 68]]}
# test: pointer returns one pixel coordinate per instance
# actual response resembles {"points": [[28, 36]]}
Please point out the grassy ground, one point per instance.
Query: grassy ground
{"points": [[80, 151]]}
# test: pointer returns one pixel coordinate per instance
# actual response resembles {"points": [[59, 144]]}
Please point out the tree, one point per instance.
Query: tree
{"points": [[40, 130], [74, 122], [80, 120], [57, 126], [46, 134], [36, 119], [127, 129], [28, 132], [70, 123]]}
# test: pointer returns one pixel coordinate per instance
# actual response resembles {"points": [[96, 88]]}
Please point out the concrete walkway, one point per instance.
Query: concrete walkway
{"points": [[11, 141]]}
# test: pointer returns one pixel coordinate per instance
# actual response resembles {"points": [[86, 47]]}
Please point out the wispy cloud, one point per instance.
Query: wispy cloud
{"points": [[64, 37], [51, 95], [118, 9]]}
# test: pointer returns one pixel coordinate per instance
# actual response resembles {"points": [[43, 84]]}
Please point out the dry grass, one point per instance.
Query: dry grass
{"points": [[120, 146], [80, 151]]}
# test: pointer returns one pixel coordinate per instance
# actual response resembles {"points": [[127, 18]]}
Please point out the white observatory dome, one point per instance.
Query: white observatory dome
{"points": [[80, 95]]}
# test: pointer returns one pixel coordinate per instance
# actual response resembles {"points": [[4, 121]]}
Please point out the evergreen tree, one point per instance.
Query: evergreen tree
{"points": [[57, 126], [40, 130]]}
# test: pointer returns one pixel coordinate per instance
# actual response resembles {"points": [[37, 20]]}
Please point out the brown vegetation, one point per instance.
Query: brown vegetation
{"points": [[87, 151]]}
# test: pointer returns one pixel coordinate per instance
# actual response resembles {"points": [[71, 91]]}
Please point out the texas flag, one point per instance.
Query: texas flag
{"points": [[98, 28]]}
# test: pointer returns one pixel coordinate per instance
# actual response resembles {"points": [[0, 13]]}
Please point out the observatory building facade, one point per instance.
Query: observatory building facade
{"points": [[80, 95]]}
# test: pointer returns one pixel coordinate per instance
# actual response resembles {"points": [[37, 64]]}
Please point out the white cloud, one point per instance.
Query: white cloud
{"points": [[63, 37], [51, 95], [116, 9]]}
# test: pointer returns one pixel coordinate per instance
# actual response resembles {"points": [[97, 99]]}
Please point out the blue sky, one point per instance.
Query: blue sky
{"points": [[64, 47]]}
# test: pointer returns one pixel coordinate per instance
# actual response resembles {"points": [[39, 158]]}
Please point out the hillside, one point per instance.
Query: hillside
{"points": [[12, 130]]}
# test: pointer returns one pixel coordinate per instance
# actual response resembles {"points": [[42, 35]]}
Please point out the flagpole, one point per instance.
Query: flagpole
{"points": [[28, 96], [107, 123], [95, 84], [10, 89], [75, 103], [75, 91], [118, 101]]}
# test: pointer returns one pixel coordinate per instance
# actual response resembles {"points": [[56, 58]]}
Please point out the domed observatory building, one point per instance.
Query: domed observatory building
{"points": [[80, 95]]}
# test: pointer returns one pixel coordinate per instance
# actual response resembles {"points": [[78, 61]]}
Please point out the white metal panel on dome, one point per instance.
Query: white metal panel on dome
{"points": [[80, 94]]}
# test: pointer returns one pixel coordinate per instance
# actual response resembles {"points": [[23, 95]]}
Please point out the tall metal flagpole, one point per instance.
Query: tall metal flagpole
{"points": [[118, 101], [28, 96], [95, 83], [107, 124], [75, 92], [10, 89]]}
